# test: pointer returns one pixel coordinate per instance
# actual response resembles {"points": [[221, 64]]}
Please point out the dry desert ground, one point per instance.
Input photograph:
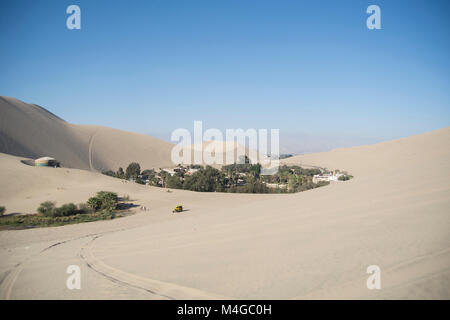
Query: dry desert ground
{"points": [[315, 244]]}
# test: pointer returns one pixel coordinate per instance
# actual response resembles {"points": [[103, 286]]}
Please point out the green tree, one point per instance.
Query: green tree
{"points": [[139, 180], [104, 200], [120, 174], [46, 208], [206, 180], [133, 170], [109, 173], [174, 182], [65, 210], [148, 172], [255, 170]]}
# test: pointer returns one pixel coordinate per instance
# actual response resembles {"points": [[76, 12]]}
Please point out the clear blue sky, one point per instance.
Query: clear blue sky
{"points": [[309, 67]]}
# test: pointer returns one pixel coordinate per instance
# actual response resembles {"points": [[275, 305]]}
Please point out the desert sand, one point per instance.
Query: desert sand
{"points": [[31, 131], [310, 245]]}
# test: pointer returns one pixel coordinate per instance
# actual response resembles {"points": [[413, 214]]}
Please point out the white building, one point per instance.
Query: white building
{"points": [[327, 177], [191, 171]]}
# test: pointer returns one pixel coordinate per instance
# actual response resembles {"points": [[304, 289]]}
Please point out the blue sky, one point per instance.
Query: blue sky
{"points": [[310, 68]]}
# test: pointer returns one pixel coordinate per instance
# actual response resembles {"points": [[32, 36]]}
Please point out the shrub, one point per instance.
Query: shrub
{"points": [[345, 177], [120, 174], [2, 210], [35, 220], [65, 210], [139, 180], [46, 208], [109, 173], [95, 203], [108, 204], [104, 200], [84, 208], [109, 199]]}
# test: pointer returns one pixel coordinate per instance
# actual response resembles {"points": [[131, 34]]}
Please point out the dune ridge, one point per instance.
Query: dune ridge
{"points": [[31, 131]]}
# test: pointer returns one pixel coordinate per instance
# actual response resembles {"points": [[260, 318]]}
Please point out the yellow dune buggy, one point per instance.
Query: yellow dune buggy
{"points": [[178, 208]]}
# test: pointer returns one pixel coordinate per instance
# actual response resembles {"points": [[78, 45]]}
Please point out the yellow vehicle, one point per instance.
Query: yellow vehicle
{"points": [[178, 208]]}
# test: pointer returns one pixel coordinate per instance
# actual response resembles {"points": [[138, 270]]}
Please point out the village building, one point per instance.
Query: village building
{"points": [[333, 176]]}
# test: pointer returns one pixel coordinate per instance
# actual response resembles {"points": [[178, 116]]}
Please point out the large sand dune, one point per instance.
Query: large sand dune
{"points": [[314, 244], [30, 131]]}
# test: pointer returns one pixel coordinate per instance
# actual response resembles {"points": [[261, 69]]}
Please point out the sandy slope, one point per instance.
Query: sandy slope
{"points": [[314, 244], [30, 131]]}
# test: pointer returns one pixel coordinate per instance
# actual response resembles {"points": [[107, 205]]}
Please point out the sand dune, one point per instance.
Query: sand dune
{"points": [[30, 131], [314, 244]]}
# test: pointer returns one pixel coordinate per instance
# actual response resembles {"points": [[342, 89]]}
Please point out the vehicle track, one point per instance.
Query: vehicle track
{"points": [[154, 287], [163, 289], [91, 143]]}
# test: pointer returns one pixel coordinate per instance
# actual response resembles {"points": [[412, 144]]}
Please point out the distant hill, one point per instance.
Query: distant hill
{"points": [[28, 130]]}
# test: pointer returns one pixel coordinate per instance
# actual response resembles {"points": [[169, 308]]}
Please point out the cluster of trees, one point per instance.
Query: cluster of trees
{"points": [[253, 185], [103, 206], [247, 178], [208, 179], [243, 177], [49, 209], [132, 172], [2, 210], [252, 169], [103, 201], [295, 178], [286, 172]]}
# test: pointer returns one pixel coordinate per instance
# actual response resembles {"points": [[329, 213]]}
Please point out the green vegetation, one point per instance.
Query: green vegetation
{"points": [[133, 171], [206, 180], [2, 210], [241, 177], [119, 174], [294, 179], [104, 205], [109, 173], [65, 210], [104, 200], [46, 208], [345, 177], [37, 220]]}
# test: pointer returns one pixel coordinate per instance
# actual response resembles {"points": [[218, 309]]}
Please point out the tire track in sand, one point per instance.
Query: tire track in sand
{"points": [[163, 289], [91, 143]]}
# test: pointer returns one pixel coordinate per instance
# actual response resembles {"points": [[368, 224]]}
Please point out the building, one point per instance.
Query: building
{"points": [[46, 162], [191, 171], [326, 177]]}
